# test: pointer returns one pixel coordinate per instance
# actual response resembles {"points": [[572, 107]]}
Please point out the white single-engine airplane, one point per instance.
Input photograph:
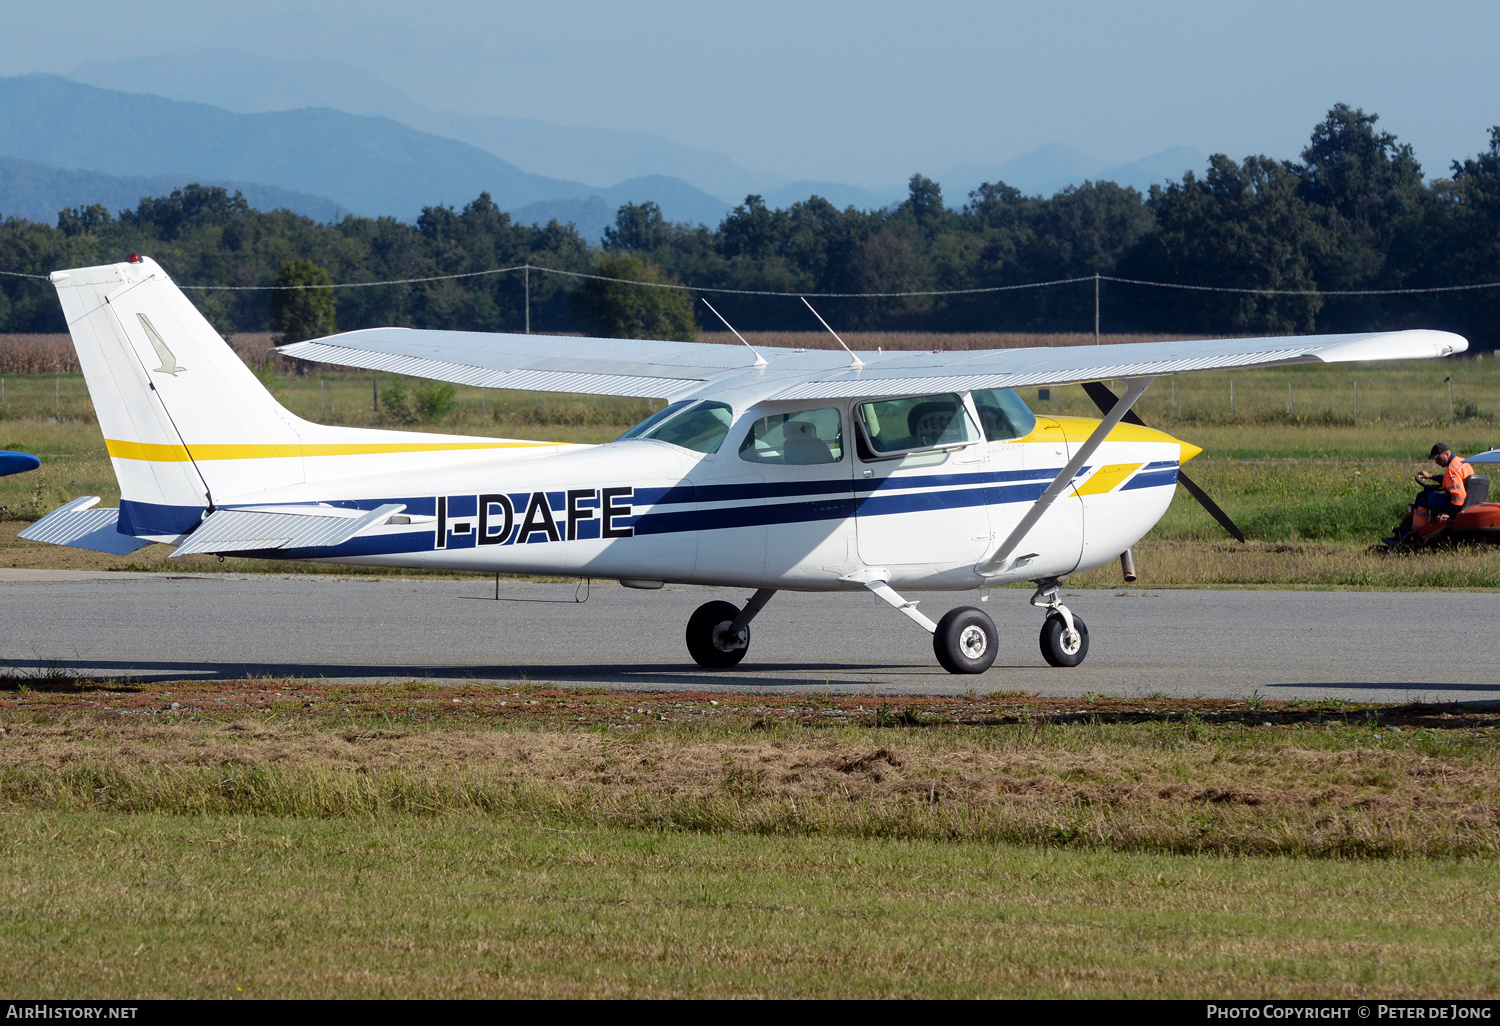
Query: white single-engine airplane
{"points": [[768, 469]]}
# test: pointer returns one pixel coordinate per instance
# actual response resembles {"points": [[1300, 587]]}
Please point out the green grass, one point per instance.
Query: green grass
{"points": [[1317, 476], [297, 839], [473, 906]]}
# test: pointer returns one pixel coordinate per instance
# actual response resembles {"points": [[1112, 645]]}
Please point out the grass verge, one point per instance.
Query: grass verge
{"points": [[1206, 777], [288, 838]]}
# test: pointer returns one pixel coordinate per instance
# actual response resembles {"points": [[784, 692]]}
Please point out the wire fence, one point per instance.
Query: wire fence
{"points": [[527, 268]]}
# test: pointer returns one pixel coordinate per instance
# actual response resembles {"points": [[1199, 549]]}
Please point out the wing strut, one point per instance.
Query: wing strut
{"points": [[1000, 559]]}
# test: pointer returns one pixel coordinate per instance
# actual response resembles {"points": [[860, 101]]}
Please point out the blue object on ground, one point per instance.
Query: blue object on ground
{"points": [[17, 462]]}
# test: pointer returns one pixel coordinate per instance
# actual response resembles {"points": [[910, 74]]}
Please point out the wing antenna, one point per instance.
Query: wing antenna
{"points": [[760, 361], [854, 361]]}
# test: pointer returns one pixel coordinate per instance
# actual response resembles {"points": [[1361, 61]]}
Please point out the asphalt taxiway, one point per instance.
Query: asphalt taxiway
{"points": [[1366, 646]]}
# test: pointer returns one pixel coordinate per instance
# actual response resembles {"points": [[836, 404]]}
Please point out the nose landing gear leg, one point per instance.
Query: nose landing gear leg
{"points": [[1065, 637]]}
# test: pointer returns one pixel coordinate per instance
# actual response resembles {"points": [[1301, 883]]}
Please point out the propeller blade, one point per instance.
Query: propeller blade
{"points": [[1210, 505], [1105, 400]]}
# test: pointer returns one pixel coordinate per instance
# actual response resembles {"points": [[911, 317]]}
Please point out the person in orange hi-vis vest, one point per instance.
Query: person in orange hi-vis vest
{"points": [[1448, 499]]}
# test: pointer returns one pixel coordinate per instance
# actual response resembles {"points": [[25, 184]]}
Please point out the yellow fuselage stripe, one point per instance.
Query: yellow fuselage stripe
{"points": [[159, 453], [1107, 477], [1078, 429]]}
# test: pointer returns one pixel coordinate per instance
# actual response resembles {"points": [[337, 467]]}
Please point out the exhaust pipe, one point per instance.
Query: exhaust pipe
{"points": [[1127, 566]]}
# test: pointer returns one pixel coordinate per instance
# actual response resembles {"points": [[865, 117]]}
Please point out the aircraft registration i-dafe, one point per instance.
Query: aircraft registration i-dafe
{"points": [[767, 469]]}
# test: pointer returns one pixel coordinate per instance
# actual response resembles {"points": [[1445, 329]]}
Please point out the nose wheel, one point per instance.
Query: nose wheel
{"points": [[1065, 637], [1063, 645]]}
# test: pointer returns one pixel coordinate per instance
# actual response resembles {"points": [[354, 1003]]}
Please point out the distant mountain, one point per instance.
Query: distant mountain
{"points": [[37, 192], [596, 156], [1051, 168], [590, 216], [840, 196], [1168, 165], [1034, 173], [370, 165]]}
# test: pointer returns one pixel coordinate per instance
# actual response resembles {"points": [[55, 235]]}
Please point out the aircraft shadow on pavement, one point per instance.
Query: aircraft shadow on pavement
{"points": [[645, 675], [1408, 688]]}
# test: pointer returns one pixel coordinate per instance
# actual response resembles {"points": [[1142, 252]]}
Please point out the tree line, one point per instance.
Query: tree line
{"points": [[1354, 213]]}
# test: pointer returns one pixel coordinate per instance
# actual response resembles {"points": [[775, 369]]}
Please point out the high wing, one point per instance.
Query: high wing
{"points": [[678, 370]]}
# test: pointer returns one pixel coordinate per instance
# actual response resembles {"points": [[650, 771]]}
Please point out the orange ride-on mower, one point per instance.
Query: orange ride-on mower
{"points": [[1478, 523]]}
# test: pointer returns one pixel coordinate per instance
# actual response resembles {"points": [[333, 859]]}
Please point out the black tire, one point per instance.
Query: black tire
{"points": [[965, 640], [700, 636], [1053, 648]]}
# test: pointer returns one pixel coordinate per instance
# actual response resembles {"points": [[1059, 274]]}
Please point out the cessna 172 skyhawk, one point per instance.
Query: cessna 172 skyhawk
{"points": [[767, 468]]}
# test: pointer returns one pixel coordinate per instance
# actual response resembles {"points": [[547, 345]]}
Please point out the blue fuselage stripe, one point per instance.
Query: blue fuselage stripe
{"points": [[720, 507]]}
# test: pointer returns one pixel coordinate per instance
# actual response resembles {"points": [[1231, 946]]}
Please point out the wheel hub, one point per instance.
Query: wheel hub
{"points": [[725, 642], [972, 642], [1071, 639]]}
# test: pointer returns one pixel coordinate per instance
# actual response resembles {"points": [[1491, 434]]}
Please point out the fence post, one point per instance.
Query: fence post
{"points": [[528, 298], [1231, 398], [1096, 308], [1356, 400], [374, 393], [1449, 379]]}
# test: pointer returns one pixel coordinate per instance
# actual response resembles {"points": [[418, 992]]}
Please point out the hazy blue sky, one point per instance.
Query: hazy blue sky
{"points": [[863, 92]]}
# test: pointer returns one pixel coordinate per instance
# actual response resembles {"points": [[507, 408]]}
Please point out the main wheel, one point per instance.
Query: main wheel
{"points": [[706, 641], [1061, 647], [965, 640]]}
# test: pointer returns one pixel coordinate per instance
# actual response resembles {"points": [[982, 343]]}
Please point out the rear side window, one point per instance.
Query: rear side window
{"points": [[1003, 414], [800, 438], [896, 426]]}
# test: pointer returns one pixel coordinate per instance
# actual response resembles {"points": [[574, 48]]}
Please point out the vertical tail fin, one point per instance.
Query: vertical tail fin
{"points": [[171, 397], [189, 427]]}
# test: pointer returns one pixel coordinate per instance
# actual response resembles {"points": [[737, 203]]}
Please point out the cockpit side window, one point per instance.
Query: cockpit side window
{"points": [[894, 427], [1003, 414], [800, 438]]}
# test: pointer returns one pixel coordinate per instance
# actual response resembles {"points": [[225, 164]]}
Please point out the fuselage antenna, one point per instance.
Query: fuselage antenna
{"points": [[854, 361], [760, 361]]}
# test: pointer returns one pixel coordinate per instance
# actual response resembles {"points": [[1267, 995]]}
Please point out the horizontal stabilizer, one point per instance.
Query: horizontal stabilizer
{"points": [[283, 527], [80, 526]]}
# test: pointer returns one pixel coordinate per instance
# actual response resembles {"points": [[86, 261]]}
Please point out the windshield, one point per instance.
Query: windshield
{"points": [[1003, 414], [655, 418], [700, 426]]}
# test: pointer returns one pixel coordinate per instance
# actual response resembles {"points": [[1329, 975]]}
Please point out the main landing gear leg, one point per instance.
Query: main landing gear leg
{"points": [[964, 640], [718, 634], [1065, 637]]}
